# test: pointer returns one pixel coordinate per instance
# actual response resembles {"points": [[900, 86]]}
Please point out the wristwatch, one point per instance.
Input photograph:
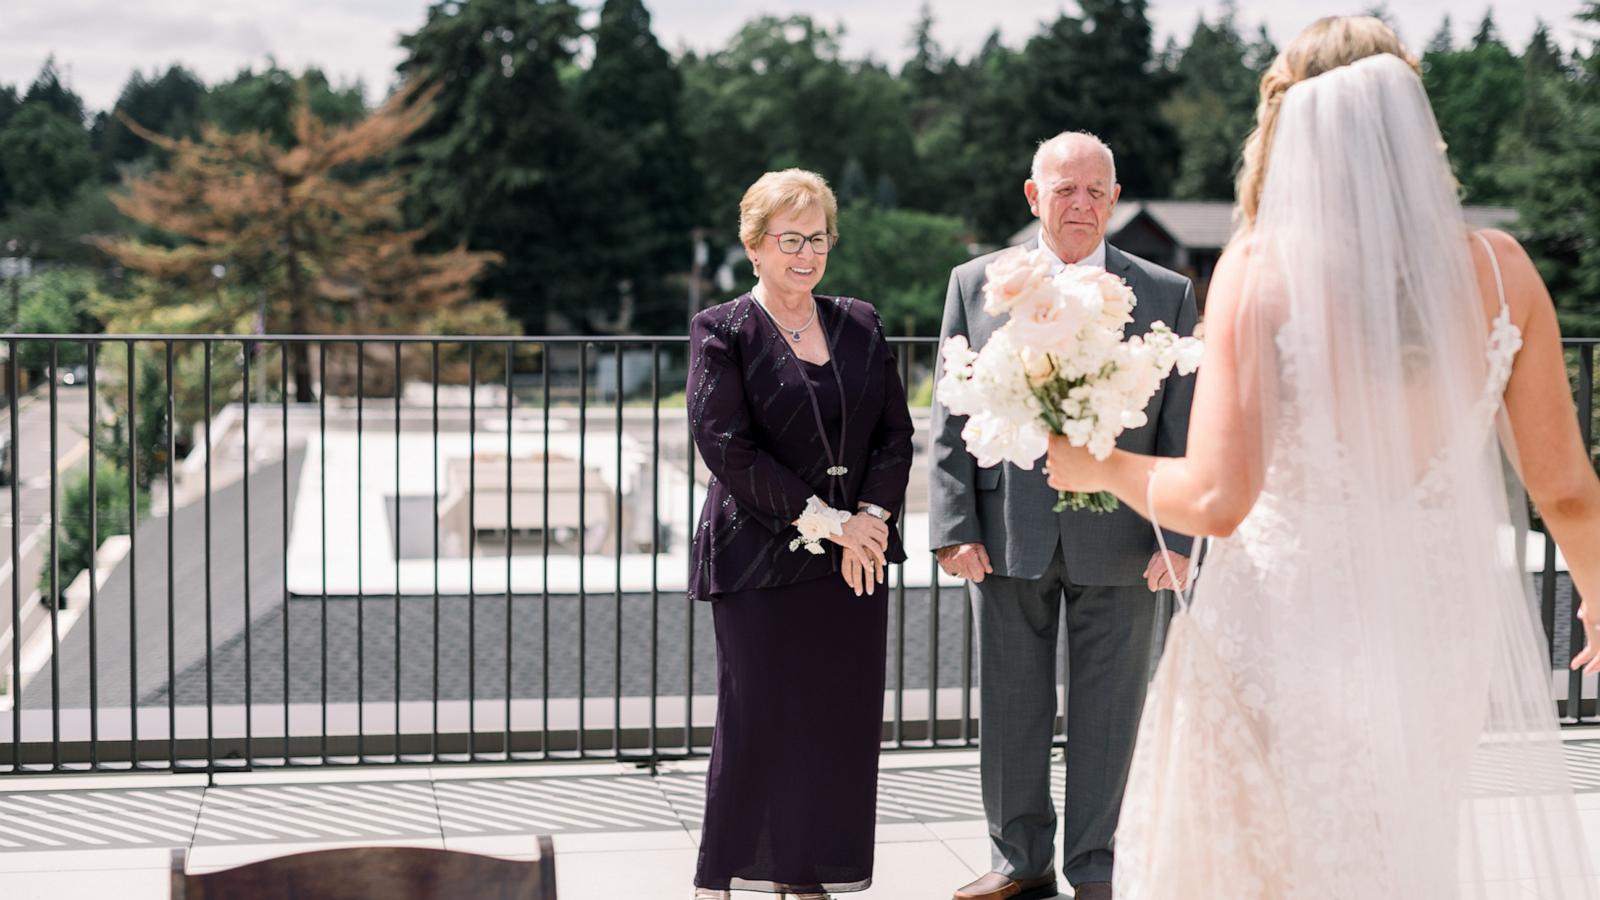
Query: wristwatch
{"points": [[875, 511]]}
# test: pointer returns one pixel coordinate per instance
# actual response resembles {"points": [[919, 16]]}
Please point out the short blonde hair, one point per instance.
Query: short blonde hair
{"points": [[791, 190], [1325, 45]]}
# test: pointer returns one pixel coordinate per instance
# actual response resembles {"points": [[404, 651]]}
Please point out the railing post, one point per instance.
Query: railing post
{"points": [[14, 466], [94, 545], [510, 363], [1585, 403], [55, 567], [133, 561]]}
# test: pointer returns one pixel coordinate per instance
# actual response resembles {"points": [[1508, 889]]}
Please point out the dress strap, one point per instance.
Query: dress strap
{"points": [[1494, 263]]}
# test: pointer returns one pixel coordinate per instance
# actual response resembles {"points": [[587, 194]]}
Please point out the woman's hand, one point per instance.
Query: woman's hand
{"points": [[867, 537], [1073, 468], [857, 572], [1589, 658]]}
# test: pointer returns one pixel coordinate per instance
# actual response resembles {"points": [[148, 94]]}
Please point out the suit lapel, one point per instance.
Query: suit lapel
{"points": [[1118, 263]]}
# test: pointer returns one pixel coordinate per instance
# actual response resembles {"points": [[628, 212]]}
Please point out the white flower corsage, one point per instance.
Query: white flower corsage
{"points": [[816, 523]]}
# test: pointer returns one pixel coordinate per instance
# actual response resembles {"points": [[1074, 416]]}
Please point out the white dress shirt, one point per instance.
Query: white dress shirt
{"points": [[1096, 258]]}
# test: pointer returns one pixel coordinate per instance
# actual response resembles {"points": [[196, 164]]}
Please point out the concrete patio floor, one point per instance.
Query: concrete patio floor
{"points": [[618, 831]]}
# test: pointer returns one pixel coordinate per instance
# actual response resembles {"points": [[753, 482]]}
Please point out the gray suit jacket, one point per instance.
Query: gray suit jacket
{"points": [[1008, 509]]}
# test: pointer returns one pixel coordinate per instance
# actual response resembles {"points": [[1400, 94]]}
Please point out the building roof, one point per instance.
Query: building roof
{"points": [[1208, 224], [143, 614]]}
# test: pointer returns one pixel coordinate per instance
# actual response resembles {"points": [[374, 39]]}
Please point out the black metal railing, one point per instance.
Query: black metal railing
{"points": [[516, 597]]}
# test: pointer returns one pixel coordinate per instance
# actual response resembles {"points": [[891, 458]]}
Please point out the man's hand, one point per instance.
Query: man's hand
{"points": [[1159, 579], [969, 561]]}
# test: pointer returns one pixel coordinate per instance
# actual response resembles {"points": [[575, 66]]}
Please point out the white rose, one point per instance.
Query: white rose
{"points": [[818, 521], [1037, 366], [1013, 276]]}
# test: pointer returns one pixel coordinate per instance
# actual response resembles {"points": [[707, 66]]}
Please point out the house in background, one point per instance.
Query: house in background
{"points": [[1187, 236]]}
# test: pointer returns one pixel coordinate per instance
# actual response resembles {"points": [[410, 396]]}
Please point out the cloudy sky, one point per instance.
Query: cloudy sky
{"points": [[98, 43]]}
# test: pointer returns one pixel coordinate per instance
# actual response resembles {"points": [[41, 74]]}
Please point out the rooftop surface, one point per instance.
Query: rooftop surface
{"points": [[619, 831]]}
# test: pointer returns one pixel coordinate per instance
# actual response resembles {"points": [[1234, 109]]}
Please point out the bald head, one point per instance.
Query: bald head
{"points": [[1073, 192], [1072, 146]]}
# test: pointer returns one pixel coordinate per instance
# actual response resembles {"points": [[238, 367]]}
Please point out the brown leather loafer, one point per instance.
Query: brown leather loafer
{"points": [[995, 886], [1092, 890]]}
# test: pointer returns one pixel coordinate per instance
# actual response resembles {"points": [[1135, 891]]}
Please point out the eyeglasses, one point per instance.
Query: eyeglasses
{"points": [[791, 242]]}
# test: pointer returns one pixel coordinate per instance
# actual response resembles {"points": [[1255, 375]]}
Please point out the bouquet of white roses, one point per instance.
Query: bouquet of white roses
{"points": [[1060, 366]]}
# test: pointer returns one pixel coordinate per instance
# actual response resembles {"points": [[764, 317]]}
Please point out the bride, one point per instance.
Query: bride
{"points": [[1358, 703]]}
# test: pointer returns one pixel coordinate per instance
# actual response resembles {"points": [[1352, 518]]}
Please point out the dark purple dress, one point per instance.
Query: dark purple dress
{"points": [[792, 792]]}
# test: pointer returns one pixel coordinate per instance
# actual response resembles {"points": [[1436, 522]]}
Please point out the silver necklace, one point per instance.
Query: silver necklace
{"points": [[794, 333]]}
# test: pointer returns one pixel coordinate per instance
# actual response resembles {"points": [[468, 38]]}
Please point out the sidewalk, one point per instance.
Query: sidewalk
{"points": [[619, 832]]}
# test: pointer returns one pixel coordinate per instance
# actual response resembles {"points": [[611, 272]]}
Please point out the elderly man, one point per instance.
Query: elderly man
{"points": [[996, 528]]}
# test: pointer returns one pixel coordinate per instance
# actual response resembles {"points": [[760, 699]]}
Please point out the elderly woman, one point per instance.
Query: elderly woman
{"points": [[798, 410]]}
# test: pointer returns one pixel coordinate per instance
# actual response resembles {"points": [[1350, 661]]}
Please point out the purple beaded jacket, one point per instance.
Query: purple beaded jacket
{"points": [[754, 424]]}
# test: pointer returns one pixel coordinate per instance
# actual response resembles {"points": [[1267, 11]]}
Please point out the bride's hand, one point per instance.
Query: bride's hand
{"points": [[1589, 658], [1072, 468]]}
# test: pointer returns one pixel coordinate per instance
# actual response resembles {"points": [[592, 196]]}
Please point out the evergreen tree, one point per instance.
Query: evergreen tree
{"points": [[505, 165], [1476, 92], [1213, 108], [1539, 117], [270, 101], [781, 95], [1487, 32], [9, 104], [922, 72], [48, 91], [171, 103], [1444, 39], [43, 146], [1098, 74], [1556, 187], [997, 149], [45, 156], [632, 95], [939, 89]]}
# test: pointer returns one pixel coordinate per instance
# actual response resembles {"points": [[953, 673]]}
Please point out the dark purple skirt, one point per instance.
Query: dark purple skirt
{"points": [[791, 799]]}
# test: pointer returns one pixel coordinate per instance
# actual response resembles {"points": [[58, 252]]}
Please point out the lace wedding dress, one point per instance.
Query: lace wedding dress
{"points": [[1357, 703]]}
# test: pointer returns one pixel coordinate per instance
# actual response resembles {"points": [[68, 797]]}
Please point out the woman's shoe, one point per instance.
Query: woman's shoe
{"points": [[701, 893]]}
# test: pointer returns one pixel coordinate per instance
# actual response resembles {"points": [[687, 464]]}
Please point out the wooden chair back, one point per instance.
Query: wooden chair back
{"points": [[375, 873]]}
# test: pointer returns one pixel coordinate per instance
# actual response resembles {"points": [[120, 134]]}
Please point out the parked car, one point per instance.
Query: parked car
{"points": [[75, 375], [7, 470]]}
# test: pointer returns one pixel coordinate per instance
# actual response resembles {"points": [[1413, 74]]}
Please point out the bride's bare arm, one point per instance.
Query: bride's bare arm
{"points": [[1209, 491], [1554, 467]]}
